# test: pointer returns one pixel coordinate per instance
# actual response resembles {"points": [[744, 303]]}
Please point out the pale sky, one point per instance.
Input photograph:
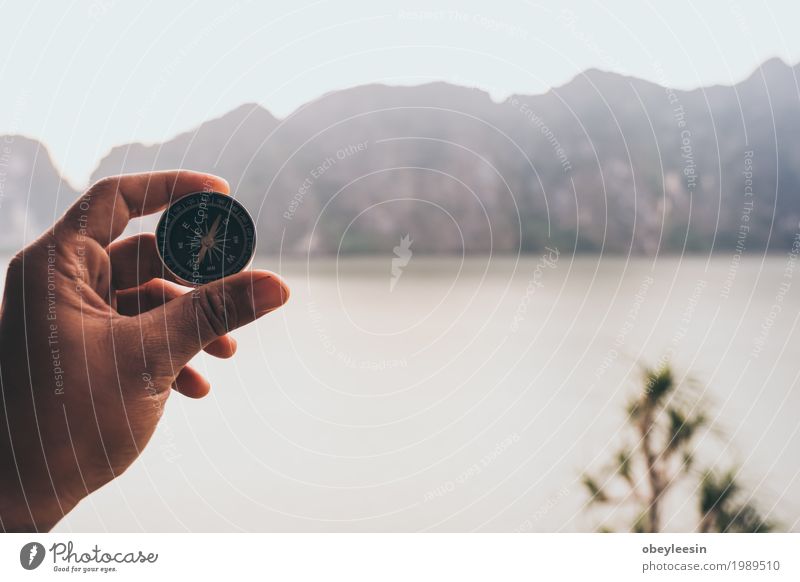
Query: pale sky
{"points": [[85, 75]]}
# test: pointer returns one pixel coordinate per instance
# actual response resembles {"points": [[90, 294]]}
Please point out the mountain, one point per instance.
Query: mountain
{"points": [[603, 163], [32, 192]]}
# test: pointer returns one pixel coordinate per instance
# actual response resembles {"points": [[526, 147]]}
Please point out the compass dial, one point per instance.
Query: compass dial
{"points": [[205, 236]]}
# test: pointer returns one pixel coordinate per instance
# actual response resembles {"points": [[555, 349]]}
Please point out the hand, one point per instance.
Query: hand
{"points": [[93, 339]]}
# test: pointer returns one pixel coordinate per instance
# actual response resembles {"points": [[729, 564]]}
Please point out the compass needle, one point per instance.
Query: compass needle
{"points": [[213, 232]]}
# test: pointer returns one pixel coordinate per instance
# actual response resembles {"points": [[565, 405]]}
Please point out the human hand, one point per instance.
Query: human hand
{"points": [[93, 337]]}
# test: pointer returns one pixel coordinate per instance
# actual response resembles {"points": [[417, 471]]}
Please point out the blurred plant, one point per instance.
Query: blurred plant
{"points": [[722, 508], [664, 421]]}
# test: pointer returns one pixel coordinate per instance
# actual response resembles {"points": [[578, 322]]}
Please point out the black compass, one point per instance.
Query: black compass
{"points": [[205, 236]]}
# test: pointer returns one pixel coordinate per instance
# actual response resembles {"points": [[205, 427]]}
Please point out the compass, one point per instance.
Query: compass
{"points": [[205, 236]]}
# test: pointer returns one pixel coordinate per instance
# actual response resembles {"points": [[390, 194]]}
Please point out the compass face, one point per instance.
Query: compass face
{"points": [[205, 236]]}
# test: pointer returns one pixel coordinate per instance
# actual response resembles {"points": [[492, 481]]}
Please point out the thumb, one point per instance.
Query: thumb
{"points": [[187, 324]]}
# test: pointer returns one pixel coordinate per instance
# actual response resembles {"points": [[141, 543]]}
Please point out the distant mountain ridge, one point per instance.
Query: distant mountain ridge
{"points": [[26, 167], [603, 163]]}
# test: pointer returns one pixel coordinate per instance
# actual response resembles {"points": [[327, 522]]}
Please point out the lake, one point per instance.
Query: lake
{"points": [[468, 394]]}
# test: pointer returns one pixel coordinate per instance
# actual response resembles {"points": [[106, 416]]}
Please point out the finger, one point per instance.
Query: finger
{"points": [[104, 211], [152, 294], [187, 324], [155, 294], [191, 383], [224, 347], [135, 261]]}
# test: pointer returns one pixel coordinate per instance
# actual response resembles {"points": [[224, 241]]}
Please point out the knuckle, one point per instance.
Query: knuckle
{"points": [[107, 184], [28, 260], [218, 309], [15, 265]]}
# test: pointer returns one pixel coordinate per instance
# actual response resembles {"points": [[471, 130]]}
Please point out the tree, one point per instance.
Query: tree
{"points": [[663, 423]]}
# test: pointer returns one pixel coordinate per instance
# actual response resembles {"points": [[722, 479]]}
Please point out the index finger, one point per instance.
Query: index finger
{"points": [[105, 209]]}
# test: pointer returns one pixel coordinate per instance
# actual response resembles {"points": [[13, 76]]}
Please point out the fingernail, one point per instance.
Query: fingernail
{"points": [[216, 183], [269, 293]]}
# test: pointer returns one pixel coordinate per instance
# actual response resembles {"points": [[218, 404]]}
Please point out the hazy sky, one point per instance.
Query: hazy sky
{"points": [[86, 75]]}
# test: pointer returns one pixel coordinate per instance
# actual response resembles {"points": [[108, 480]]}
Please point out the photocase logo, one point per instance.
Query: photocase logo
{"points": [[402, 256], [31, 555]]}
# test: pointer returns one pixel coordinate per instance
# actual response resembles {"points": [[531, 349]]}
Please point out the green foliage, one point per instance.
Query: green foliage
{"points": [[682, 428], [715, 490], [659, 383], [723, 508], [624, 466], [596, 494], [665, 423]]}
